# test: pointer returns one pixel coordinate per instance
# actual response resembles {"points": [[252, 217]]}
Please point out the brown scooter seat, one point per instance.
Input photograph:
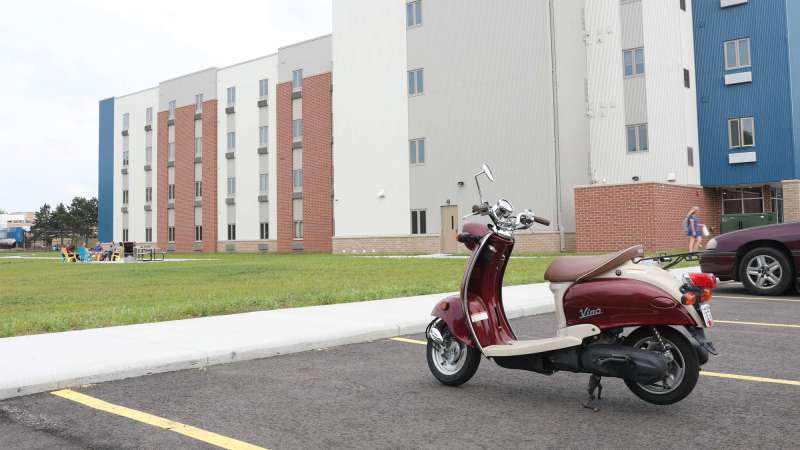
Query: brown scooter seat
{"points": [[582, 268]]}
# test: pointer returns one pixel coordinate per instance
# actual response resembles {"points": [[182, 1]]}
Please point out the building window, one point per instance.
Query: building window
{"points": [[231, 185], [686, 79], [148, 194], [741, 132], [231, 231], [171, 151], [125, 157], [198, 103], [418, 221], [414, 13], [231, 140], [298, 229], [737, 54], [125, 234], [148, 234], [297, 129], [777, 202], [126, 121], [198, 146], [297, 79], [124, 196], [263, 136], [416, 83], [198, 189], [263, 88], [297, 180], [172, 109], [264, 230], [683, 5], [171, 234], [263, 183], [232, 96], [297, 217], [148, 116], [637, 138], [148, 155], [690, 156], [633, 60], [198, 232], [416, 151], [171, 192], [742, 201]]}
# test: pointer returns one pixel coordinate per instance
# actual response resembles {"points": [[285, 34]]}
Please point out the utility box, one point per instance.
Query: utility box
{"points": [[733, 222]]}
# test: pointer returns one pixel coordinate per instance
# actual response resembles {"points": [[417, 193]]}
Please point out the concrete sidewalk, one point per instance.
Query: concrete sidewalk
{"points": [[44, 362]]}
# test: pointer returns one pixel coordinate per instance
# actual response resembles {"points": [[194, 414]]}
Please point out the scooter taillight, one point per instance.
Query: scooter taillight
{"points": [[705, 296], [703, 280]]}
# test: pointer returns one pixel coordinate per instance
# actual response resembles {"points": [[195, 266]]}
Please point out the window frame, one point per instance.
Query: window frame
{"points": [[231, 186], [297, 129], [687, 79], [148, 115], [263, 88], [263, 135], [198, 189], [198, 233], [198, 103], [263, 228], [171, 109], [263, 183], [297, 79], [414, 149], [741, 132], [416, 78], [413, 13], [231, 231], [419, 221], [737, 51], [690, 156], [231, 96], [231, 141], [634, 65], [637, 138]]}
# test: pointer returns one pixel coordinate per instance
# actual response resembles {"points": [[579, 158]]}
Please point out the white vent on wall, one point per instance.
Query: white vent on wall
{"points": [[738, 78], [739, 158], [726, 3]]}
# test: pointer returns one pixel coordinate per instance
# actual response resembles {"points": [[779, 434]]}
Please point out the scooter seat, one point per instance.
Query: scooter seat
{"points": [[582, 268]]}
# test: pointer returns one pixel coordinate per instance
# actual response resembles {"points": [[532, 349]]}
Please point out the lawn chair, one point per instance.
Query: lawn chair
{"points": [[84, 254], [66, 256], [117, 255]]}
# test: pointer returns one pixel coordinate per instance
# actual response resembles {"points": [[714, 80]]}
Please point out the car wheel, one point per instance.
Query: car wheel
{"points": [[765, 271]]}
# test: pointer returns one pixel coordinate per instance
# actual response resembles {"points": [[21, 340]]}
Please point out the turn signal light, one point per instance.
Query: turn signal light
{"points": [[706, 295], [703, 280], [689, 298], [444, 306]]}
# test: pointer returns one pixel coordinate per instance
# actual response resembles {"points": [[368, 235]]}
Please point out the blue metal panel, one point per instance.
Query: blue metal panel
{"points": [[793, 28], [105, 189], [768, 98]]}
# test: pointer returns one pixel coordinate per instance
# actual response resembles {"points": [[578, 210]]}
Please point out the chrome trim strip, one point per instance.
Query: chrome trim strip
{"points": [[464, 290]]}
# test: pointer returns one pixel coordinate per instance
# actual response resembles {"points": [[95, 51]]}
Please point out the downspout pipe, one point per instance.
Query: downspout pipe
{"points": [[556, 141]]}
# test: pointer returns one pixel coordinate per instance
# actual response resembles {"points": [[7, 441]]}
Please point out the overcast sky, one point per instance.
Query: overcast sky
{"points": [[59, 58]]}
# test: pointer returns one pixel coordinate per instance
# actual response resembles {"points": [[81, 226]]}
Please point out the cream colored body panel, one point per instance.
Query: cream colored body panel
{"points": [[567, 337]]}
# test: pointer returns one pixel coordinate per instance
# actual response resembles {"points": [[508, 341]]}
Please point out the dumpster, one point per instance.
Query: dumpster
{"points": [[733, 222]]}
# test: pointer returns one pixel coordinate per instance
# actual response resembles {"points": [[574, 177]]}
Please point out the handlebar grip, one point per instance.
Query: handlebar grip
{"points": [[480, 209], [541, 220]]}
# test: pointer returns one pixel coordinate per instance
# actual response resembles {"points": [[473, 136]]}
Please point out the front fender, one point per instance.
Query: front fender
{"points": [[452, 313]]}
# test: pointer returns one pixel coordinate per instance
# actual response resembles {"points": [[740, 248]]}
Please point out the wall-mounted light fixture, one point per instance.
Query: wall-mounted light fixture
{"points": [[635, 178], [460, 184]]}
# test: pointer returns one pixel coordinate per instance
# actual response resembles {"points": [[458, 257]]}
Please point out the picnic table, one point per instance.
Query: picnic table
{"points": [[150, 254]]}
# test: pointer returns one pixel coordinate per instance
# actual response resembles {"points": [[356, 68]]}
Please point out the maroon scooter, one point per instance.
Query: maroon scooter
{"points": [[616, 316]]}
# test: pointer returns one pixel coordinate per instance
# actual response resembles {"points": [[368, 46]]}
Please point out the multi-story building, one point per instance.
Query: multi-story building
{"points": [[748, 78], [368, 139]]}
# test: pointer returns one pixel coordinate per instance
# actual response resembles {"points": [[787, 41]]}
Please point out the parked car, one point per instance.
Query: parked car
{"points": [[764, 259]]}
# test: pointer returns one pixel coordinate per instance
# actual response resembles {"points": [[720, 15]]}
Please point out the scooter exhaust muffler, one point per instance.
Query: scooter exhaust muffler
{"points": [[613, 360]]}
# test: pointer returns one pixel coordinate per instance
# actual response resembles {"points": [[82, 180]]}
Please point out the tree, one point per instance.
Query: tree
{"points": [[42, 228], [60, 220], [82, 218]]}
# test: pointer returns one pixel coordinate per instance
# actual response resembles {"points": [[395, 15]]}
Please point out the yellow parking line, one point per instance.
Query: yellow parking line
{"points": [[409, 341], [749, 378], [703, 372], [760, 324], [755, 299], [186, 430]]}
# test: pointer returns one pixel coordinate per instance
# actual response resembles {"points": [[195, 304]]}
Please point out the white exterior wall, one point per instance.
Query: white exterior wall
{"points": [[606, 99], [370, 118], [671, 107], [245, 77], [135, 104]]}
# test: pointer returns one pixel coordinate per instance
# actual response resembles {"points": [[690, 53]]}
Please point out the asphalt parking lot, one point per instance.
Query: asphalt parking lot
{"points": [[381, 395]]}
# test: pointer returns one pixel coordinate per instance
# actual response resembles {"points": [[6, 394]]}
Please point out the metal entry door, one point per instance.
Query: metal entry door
{"points": [[449, 229]]}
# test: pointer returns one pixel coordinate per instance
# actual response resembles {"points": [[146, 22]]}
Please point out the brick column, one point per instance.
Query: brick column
{"points": [[791, 200], [210, 176], [317, 164], [161, 180]]}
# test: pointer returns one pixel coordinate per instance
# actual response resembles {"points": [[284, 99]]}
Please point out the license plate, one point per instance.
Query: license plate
{"points": [[706, 311]]}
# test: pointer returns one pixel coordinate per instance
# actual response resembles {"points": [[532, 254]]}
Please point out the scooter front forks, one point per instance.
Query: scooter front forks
{"points": [[594, 384]]}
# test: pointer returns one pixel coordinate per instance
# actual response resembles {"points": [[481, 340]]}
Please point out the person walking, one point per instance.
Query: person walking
{"points": [[694, 229]]}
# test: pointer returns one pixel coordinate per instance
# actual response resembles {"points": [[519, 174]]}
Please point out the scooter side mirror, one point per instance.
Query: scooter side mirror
{"points": [[488, 172]]}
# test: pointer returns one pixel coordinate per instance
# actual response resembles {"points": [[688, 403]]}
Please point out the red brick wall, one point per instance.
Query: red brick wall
{"points": [[184, 177], [611, 217], [210, 176], [317, 164], [283, 121]]}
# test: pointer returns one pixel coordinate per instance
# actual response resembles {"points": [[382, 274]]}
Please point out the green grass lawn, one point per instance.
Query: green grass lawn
{"points": [[38, 296]]}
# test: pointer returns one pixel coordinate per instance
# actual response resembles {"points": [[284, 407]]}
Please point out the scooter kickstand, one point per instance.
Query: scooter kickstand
{"points": [[594, 384]]}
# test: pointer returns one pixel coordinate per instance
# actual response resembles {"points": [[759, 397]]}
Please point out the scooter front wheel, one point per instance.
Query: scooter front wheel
{"points": [[683, 367], [452, 362]]}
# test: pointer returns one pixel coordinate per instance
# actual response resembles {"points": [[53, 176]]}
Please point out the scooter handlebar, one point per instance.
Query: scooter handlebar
{"points": [[541, 220]]}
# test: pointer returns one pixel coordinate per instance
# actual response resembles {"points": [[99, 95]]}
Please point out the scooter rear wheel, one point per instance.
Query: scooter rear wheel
{"points": [[683, 368], [453, 363]]}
